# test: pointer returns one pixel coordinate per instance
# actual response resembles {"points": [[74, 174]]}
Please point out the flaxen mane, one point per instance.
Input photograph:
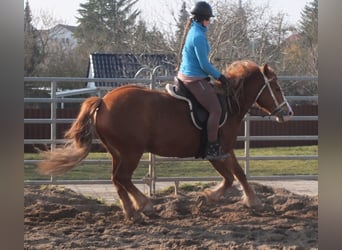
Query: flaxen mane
{"points": [[237, 73]]}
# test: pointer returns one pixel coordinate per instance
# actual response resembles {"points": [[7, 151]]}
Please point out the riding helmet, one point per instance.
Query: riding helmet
{"points": [[203, 9]]}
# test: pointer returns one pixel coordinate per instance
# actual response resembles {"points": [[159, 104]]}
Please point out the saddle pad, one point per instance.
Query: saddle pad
{"points": [[198, 114]]}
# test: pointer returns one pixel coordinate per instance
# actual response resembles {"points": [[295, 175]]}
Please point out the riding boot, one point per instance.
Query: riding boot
{"points": [[214, 151]]}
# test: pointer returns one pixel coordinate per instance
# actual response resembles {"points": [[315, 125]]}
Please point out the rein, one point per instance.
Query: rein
{"points": [[232, 96]]}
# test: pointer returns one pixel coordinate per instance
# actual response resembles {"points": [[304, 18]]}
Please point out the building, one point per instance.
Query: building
{"points": [[122, 65], [126, 65], [62, 35]]}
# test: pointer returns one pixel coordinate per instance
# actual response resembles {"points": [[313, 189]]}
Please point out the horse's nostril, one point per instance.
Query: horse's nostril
{"points": [[291, 113]]}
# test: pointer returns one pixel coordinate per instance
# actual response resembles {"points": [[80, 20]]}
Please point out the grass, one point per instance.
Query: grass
{"points": [[193, 168]]}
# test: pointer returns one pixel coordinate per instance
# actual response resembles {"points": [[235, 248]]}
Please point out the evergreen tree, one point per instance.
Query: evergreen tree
{"points": [[182, 19], [27, 18], [309, 37], [107, 25], [301, 52], [147, 40], [32, 54], [309, 23]]}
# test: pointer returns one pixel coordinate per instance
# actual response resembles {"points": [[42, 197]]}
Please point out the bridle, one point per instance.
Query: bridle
{"points": [[267, 84]]}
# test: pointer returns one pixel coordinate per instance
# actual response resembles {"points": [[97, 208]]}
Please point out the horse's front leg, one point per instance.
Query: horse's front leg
{"points": [[213, 195], [249, 198]]}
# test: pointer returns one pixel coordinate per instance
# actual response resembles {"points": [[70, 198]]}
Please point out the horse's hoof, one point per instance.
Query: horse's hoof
{"points": [[137, 218], [252, 203], [150, 213], [256, 203], [211, 196], [201, 201], [133, 217], [148, 208]]}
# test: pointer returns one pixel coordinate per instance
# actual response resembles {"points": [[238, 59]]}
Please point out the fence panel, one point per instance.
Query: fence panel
{"points": [[55, 121]]}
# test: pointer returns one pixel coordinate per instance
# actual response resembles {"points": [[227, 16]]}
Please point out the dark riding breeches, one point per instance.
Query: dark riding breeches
{"points": [[206, 96]]}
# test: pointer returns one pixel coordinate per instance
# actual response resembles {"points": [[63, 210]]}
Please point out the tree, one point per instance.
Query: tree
{"points": [[228, 33], [301, 50], [107, 25], [182, 19], [32, 57], [299, 53], [244, 31], [147, 40], [309, 35], [32, 53], [309, 23]]}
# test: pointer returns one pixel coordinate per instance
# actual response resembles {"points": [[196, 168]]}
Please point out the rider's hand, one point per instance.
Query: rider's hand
{"points": [[223, 80]]}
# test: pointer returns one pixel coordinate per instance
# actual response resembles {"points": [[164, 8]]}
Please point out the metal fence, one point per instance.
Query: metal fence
{"points": [[155, 81]]}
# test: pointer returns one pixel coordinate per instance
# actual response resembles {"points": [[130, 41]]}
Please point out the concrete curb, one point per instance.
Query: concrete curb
{"points": [[107, 192]]}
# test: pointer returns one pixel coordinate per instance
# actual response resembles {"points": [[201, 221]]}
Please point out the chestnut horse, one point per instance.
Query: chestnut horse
{"points": [[132, 120]]}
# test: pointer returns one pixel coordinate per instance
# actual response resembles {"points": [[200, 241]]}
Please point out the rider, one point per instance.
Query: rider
{"points": [[194, 68]]}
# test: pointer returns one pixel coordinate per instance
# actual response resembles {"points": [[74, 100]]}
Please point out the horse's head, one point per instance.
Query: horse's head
{"points": [[270, 98]]}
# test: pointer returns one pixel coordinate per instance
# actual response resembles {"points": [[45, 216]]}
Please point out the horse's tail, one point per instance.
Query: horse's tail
{"points": [[79, 140]]}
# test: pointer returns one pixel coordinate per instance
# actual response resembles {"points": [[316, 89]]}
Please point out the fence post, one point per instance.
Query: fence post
{"points": [[152, 165], [53, 117], [247, 144]]}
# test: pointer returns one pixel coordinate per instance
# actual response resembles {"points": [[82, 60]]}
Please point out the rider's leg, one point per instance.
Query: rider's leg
{"points": [[206, 96]]}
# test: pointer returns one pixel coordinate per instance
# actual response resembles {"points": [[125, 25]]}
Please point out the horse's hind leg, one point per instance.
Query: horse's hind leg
{"points": [[125, 201], [250, 199], [132, 200], [140, 202], [120, 174]]}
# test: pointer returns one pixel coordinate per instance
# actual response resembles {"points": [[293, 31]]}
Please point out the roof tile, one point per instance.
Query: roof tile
{"points": [[120, 65]]}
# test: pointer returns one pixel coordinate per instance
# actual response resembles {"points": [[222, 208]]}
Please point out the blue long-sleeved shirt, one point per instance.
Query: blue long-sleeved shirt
{"points": [[195, 53]]}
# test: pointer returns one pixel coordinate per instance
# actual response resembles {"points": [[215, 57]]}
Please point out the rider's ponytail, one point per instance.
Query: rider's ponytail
{"points": [[185, 33]]}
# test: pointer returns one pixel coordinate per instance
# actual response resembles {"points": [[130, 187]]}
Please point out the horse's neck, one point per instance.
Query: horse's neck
{"points": [[242, 113], [249, 95]]}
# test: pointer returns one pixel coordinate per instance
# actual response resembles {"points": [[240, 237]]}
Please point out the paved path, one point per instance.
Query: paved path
{"points": [[107, 193]]}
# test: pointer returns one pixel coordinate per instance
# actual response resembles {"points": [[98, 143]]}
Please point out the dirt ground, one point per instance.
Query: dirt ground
{"points": [[59, 218]]}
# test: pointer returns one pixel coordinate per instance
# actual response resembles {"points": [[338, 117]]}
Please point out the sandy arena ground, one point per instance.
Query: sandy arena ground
{"points": [[57, 217]]}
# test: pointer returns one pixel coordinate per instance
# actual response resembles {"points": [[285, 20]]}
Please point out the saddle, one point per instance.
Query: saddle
{"points": [[199, 115]]}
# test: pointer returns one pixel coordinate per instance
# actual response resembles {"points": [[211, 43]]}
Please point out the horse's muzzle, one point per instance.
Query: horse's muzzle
{"points": [[284, 113]]}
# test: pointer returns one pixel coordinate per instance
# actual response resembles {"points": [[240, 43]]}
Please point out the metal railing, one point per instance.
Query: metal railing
{"points": [[152, 179]]}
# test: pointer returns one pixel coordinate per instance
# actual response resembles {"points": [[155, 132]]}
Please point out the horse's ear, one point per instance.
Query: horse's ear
{"points": [[265, 69]]}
